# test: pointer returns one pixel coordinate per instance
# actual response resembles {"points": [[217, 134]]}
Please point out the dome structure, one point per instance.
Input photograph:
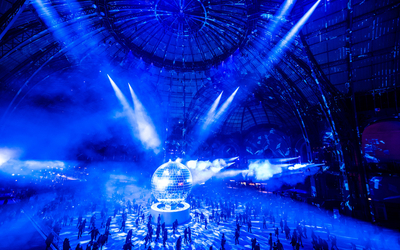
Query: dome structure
{"points": [[179, 34], [171, 183]]}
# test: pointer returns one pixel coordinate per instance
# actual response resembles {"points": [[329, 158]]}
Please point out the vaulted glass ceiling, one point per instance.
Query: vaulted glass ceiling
{"points": [[189, 51]]}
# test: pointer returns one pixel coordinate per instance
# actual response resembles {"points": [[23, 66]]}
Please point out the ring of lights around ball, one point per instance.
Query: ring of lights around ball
{"points": [[171, 183], [181, 213]]}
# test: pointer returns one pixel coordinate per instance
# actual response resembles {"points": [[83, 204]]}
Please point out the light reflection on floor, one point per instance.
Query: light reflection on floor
{"points": [[202, 238]]}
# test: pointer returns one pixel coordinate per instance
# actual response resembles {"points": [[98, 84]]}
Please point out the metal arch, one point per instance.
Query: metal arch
{"points": [[12, 14], [42, 53], [297, 114], [25, 36], [252, 115], [293, 85], [319, 72], [276, 112], [266, 113], [50, 48], [18, 37], [241, 123], [62, 69], [54, 51]]}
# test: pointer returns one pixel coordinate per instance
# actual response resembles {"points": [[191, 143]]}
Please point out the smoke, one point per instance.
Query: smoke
{"points": [[6, 154], [124, 185], [277, 174], [202, 171], [264, 170]]}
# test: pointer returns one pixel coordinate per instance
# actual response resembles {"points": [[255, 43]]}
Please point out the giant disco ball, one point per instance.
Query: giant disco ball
{"points": [[171, 183]]}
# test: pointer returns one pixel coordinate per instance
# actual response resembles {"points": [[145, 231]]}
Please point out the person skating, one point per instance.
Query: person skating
{"points": [[80, 230], [49, 240], [146, 240], [165, 236], [253, 243], [108, 223], [137, 222], [279, 245], [249, 226], [185, 236], [223, 241], [106, 234], [93, 234], [127, 246], [264, 223], [270, 241], [179, 243], [333, 241], [66, 245], [122, 228], [129, 236], [237, 237], [158, 231], [293, 242]]}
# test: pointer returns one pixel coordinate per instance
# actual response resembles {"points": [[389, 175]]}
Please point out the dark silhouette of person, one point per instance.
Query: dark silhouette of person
{"points": [[106, 234], [179, 243], [66, 245], [80, 230], [223, 241], [158, 231], [279, 245], [165, 236], [108, 223], [89, 246], [253, 243], [93, 234], [264, 223], [237, 237], [122, 226], [49, 240], [185, 236], [127, 246], [270, 241], [129, 236], [146, 240]]}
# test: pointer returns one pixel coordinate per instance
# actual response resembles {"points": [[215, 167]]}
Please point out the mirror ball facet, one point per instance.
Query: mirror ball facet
{"points": [[171, 183]]}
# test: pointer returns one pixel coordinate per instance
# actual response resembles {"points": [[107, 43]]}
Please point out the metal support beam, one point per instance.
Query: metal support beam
{"points": [[8, 19]]}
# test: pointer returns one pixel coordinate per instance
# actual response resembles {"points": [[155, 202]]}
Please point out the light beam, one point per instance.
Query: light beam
{"points": [[225, 106], [280, 48], [147, 132], [211, 112]]}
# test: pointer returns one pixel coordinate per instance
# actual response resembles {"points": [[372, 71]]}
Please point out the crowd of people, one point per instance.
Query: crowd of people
{"points": [[240, 218]]}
